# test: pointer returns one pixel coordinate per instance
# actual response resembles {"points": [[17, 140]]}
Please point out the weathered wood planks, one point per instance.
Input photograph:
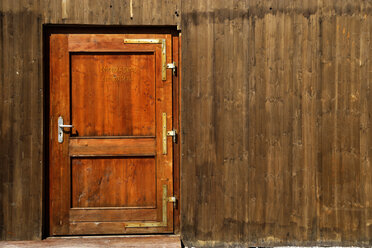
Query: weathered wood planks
{"points": [[276, 116], [22, 165], [282, 92]]}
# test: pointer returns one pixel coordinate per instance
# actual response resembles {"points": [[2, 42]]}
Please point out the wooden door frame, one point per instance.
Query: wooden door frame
{"points": [[50, 29]]}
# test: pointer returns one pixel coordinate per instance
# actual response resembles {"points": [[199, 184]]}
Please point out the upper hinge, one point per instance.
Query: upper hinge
{"points": [[173, 67], [173, 133]]}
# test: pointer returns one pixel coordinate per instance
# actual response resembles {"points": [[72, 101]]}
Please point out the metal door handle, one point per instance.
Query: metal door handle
{"points": [[66, 126], [60, 128]]}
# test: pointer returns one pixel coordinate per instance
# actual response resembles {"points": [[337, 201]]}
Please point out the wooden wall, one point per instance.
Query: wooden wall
{"points": [[276, 116], [22, 88]]}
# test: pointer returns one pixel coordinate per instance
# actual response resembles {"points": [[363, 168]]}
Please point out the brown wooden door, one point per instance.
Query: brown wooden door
{"points": [[112, 173]]}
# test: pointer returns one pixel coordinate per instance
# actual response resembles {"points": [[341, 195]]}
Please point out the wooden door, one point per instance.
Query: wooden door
{"points": [[111, 173]]}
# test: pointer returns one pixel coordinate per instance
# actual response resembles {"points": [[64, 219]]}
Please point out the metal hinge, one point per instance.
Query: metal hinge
{"points": [[173, 133], [173, 67], [173, 199]]}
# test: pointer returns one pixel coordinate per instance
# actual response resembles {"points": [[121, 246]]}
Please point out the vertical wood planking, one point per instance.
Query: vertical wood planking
{"points": [[257, 150], [115, 12], [364, 132], [238, 185], [20, 118], [330, 160], [187, 154], [310, 127], [304, 180], [366, 79], [21, 96]]}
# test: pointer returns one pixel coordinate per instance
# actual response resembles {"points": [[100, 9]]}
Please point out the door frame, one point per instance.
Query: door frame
{"points": [[50, 29]]}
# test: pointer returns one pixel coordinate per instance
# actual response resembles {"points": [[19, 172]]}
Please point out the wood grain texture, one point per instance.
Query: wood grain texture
{"points": [[59, 163], [108, 92], [276, 116], [113, 182], [21, 135], [111, 214], [282, 92], [22, 95], [112, 147], [96, 177]]}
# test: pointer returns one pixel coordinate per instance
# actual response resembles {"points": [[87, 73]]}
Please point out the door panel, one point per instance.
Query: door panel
{"points": [[113, 182], [109, 146], [123, 89], [113, 172]]}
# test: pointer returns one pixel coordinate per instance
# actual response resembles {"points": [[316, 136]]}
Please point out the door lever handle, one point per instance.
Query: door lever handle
{"points": [[61, 125], [60, 129]]}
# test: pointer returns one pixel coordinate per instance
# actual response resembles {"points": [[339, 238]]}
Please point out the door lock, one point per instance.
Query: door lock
{"points": [[61, 126]]}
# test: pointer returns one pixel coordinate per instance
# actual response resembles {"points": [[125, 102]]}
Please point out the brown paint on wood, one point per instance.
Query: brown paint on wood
{"points": [[113, 182], [111, 214], [59, 161], [229, 185], [101, 116], [112, 147], [99, 228], [100, 82]]}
